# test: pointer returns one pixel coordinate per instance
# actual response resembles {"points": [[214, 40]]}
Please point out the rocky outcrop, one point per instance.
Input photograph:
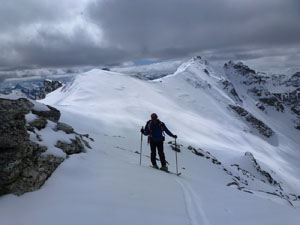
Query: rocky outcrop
{"points": [[259, 173], [228, 86], [39, 123], [248, 176], [274, 102], [239, 67], [294, 81], [49, 86], [25, 164], [65, 128], [260, 126], [266, 175], [76, 146], [52, 114], [205, 154]]}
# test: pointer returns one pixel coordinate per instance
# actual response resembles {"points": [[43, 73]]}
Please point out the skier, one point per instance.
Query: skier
{"points": [[154, 130]]}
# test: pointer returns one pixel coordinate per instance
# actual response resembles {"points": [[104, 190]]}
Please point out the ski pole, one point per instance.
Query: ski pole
{"points": [[141, 147], [176, 157]]}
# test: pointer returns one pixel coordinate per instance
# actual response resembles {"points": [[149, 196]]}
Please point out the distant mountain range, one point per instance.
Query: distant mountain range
{"points": [[32, 88]]}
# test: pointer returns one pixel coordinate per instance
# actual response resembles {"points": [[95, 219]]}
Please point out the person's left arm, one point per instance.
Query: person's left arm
{"points": [[167, 131]]}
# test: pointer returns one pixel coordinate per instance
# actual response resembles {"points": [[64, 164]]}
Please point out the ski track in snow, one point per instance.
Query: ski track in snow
{"points": [[193, 205]]}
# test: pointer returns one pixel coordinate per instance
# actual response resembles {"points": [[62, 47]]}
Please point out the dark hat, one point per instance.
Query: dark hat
{"points": [[154, 116]]}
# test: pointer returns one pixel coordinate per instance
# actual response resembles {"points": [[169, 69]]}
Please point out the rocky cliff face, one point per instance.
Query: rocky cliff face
{"points": [[271, 92], [25, 161]]}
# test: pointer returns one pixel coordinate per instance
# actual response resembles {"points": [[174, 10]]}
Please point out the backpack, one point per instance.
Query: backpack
{"points": [[161, 126]]}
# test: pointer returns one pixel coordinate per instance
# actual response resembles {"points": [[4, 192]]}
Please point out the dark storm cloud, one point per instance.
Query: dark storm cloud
{"points": [[176, 28], [58, 50], [17, 13], [2, 78], [65, 33]]}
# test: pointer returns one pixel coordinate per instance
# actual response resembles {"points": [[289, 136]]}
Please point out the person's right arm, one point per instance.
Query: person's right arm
{"points": [[146, 130]]}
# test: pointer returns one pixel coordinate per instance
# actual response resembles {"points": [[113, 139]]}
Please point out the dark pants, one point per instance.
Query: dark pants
{"points": [[160, 149]]}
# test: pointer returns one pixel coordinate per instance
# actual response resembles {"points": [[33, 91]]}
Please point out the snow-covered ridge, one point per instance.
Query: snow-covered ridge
{"points": [[230, 181], [194, 89]]}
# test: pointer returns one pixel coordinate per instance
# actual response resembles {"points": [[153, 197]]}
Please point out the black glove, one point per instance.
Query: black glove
{"points": [[175, 136], [142, 130]]}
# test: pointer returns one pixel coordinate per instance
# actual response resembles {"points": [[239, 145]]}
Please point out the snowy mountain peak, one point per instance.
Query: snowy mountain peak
{"points": [[195, 63], [239, 67]]}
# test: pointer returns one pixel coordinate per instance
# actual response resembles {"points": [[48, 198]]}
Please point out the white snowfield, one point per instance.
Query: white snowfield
{"points": [[107, 185]]}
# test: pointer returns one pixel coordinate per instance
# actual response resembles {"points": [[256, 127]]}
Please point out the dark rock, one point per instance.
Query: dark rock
{"points": [[240, 67], [256, 91], [264, 173], [23, 168], [65, 128], [215, 161], [53, 114], [236, 184], [273, 101], [74, 147], [87, 144], [198, 153], [51, 85], [175, 148], [294, 81], [296, 109], [28, 175], [260, 106], [229, 87], [12, 123], [39, 123], [255, 123]]}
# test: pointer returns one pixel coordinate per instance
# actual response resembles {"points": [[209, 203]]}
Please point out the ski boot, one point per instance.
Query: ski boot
{"points": [[164, 168], [155, 167]]}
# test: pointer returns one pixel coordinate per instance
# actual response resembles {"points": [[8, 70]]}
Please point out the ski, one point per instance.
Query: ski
{"points": [[167, 171]]}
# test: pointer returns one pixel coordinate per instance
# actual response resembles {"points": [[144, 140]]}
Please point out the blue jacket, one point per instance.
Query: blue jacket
{"points": [[155, 131]]}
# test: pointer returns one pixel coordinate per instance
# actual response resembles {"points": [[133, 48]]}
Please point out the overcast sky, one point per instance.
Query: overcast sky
{"points": [[67, 33]]}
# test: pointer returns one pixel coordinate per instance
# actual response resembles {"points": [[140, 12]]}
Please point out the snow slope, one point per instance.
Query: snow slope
{"points": [[107, 186]]}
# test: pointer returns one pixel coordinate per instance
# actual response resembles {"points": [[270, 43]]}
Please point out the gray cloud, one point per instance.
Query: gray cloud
{"points": [[173, 28], [14, 14], [2, 78], [70, 33]]}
